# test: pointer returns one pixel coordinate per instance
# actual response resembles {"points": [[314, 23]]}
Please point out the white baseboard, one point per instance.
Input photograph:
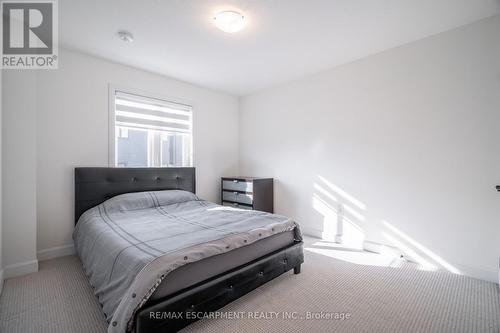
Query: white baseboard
{"points": [[56, 252], [481, 273], [478, 273], [382, 249], [21, 268], [475, 272], [312, 232], [1, 281]]}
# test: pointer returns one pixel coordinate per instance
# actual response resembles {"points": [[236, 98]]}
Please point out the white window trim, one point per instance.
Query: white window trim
{"points": [[112, 88]]}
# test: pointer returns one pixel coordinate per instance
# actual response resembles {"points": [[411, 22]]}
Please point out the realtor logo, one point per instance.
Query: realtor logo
{"points": [[29, 34]]}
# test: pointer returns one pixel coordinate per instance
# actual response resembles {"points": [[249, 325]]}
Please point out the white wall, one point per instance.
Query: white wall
{"points": [[72, 130], [411, 133], [19, 172], [410, 136]]}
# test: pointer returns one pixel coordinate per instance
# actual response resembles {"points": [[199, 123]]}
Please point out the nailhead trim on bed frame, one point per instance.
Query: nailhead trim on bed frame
{"points": [[215, 293]]}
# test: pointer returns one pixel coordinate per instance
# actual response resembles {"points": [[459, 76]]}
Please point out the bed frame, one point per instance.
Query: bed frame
{"points": [[95, 185]]}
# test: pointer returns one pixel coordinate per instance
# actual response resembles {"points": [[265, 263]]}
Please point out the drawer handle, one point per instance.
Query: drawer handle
{"points": [[235, 193], [235, 204], [235, 180]]}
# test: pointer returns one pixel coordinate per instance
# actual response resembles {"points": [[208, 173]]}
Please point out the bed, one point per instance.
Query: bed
{"points": [[159, 257]]}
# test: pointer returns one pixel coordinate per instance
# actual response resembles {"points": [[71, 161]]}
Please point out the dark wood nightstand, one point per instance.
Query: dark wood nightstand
{"points": [[248, 193]]}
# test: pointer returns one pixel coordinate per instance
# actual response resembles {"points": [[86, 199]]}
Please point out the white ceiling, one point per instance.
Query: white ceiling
{"points": [[283, 39]]}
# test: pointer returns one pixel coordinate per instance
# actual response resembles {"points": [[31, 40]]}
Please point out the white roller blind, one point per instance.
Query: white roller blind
{"points": [[136, 111]]}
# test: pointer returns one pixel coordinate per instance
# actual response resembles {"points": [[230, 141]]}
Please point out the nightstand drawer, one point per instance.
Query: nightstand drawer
{"points": [[237, 197], [254, 193], [237, 185], [235, 205]]}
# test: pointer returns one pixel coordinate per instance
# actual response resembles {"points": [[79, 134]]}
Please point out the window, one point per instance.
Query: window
{"points": [[151, 132]]}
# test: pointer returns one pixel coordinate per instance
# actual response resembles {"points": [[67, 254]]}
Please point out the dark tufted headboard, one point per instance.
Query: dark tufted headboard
{"points": [[95, 185]]}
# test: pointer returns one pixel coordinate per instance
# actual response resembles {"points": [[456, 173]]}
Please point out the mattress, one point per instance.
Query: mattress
{"points": [[144, 245], [202, 270]]}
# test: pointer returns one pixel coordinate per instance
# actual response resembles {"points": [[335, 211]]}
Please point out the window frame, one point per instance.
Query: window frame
{"points": [[112, 89]]}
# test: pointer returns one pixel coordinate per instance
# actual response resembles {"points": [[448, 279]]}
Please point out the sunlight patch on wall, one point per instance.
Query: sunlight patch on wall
{"points": [[342, 193], [343, 218], [412, 255], [417, 251], [330, 218], [326, 193], [340, 211]]}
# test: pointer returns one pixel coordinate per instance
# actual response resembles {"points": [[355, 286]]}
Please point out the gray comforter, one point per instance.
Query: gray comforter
{"points": [[129, 243]]}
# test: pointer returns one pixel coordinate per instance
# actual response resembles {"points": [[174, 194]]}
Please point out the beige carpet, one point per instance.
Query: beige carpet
{"points": [[378, 299]]}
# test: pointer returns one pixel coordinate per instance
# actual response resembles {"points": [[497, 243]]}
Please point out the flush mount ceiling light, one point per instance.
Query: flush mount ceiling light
{"points": [[125, 36], [229, 21]]}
